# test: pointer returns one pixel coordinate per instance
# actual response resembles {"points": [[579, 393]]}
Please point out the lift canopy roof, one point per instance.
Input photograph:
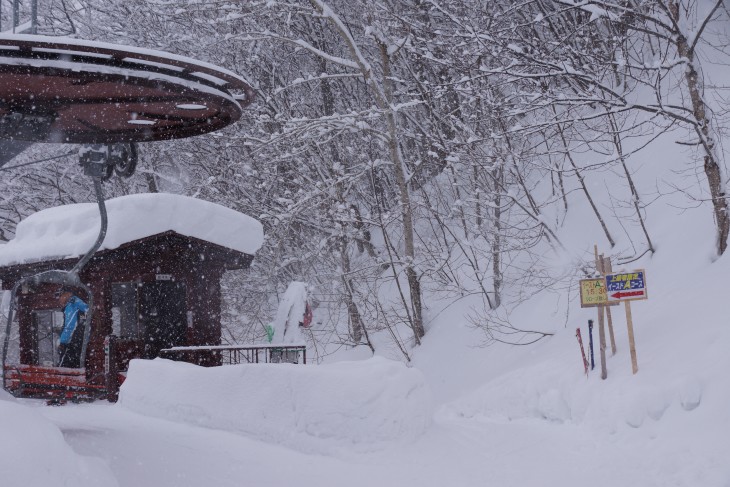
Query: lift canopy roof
{"points": [[68, 90]]}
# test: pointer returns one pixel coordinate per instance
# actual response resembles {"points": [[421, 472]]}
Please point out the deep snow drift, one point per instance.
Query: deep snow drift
{"points": [[33, 452], [361, 404], [504, 415]]}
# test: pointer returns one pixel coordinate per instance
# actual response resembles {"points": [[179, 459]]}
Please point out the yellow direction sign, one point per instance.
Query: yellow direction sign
{"points": [[593, 293]]}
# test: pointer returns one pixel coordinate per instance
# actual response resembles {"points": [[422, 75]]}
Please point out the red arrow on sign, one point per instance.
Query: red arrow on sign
{"points": [[620, 295]]}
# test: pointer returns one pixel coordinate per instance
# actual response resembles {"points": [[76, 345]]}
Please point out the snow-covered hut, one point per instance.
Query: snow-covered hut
{"points": [[155, 279]]}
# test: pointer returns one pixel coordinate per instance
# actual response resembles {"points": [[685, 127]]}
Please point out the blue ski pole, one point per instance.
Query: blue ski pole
{"points": [[590, 342]]}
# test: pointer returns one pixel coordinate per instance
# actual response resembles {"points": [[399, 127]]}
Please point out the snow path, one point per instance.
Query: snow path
{"points": [[143, 451]]}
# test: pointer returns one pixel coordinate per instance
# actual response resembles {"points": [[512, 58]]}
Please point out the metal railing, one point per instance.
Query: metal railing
{"points": [[238, 354]]}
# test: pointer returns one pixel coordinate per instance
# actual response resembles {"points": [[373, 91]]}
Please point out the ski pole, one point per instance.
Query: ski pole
{"points": [[590, 342]]}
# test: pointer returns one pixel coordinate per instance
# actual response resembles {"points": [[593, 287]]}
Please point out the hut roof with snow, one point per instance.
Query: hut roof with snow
{"points": [[68, 231]]}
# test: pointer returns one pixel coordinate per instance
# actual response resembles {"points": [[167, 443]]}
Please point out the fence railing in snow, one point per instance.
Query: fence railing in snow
{"points": [[238, 354]]}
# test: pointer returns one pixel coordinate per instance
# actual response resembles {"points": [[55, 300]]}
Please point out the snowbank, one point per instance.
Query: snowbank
{"points": [[34, 452], [321, 408], [70, 230], [552, 391], [681, 339], [666, 425]]}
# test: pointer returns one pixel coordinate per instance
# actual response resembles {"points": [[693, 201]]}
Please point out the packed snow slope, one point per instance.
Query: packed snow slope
{"points": [[364, 404], [504, 415], [33, 452], [461, 414]]}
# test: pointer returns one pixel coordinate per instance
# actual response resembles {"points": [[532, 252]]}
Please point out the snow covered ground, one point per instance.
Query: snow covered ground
{"points": [[460, 415], [34, 452], [153, 452], [535, 419], [362, 405], [526, 428]]}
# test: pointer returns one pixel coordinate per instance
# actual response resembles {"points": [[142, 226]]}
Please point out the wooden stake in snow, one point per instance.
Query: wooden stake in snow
{"points": [[601, 325], [607, 269], [627, 287], [632, 344]]}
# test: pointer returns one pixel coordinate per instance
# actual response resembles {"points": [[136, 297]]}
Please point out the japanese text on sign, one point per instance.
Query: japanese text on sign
{"points": [[592, 292], [626, 286]]}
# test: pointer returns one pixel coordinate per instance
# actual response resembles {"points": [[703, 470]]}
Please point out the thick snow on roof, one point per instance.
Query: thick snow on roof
{"points": [[70, 230]]}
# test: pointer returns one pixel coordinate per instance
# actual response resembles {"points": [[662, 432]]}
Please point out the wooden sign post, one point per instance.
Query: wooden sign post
{"points": [[601, 324], [593, 294], [627, 287], [632, 343], [602, 342], [606, 269]]}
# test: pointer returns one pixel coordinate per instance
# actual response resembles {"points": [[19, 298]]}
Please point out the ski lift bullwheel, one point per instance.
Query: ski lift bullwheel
{"points": [[125, 160], [74, 91]]}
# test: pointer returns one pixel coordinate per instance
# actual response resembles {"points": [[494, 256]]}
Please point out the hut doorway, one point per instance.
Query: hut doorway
{"points": [[162, 316], [48, 324], [124, 311]]}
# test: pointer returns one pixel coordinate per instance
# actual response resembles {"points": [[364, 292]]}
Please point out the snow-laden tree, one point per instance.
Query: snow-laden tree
{"points": [[409, 150]]}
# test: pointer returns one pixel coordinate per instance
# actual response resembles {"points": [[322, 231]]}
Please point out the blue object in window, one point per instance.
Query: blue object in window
{"points": [[71, 318]]}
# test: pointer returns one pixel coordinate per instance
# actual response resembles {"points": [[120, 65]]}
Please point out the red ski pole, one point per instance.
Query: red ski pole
{"points": [[582, 350]]}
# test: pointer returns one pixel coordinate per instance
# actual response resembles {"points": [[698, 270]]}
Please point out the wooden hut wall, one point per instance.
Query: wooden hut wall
{"points": [[169, 255], [198, 264]]}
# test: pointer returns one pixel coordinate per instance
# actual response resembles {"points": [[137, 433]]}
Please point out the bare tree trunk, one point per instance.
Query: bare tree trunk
{"points": [[353, 313], [414, 284], [585, 188], [634, 193], [383, 96], [363, 240], [497, 240], [150, 178], [703, 129], [477, 196]]}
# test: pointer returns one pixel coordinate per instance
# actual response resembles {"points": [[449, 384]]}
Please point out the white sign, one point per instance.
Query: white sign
{"points": [[164, 277]]}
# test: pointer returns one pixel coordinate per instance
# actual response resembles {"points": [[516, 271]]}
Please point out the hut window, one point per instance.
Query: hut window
{"points": [[124, 310], [48, 324]]}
